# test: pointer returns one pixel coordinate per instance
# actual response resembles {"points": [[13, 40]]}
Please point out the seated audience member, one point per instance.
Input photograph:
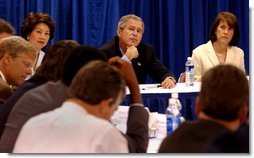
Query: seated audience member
{"points": [[46, 97], [231, 142], [93, 96], [51, 95], [50, 70], [38, 29], [17, 57], [127, 44], [6, 29], [221, 48], [222, 106]]}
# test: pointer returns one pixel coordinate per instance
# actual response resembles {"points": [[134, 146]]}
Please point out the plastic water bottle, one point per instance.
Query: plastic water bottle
{"points": [[189, 72], [173, 113]]}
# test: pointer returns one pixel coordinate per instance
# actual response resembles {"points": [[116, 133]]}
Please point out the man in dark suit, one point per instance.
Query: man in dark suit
{"points": [[222, 106], [127, 44], [17, 56]]}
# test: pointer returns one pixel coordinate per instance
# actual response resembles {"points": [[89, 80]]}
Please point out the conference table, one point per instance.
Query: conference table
{"points": [[155, 98]]}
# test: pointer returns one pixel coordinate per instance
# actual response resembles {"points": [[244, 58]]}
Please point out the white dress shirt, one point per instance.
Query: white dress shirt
{"points": [[40, 58], [69, 129], [2, 76], [38, 63]]}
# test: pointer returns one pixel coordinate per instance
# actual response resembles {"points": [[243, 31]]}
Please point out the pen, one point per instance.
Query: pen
{"points": [[157, 86]]}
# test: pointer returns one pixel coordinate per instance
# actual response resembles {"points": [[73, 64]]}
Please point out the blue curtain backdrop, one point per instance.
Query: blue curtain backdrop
{"points": [[173, 27]]}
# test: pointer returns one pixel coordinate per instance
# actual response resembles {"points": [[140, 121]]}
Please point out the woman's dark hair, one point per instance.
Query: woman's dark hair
{"points": [[51, 68], [32, 20], [232, 21]]}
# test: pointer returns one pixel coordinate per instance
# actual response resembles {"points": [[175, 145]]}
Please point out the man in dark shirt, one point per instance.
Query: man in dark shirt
{"points": [[127, 44]]}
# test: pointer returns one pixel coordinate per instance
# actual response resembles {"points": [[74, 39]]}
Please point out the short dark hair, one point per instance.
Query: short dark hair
{"points": [[32, 20], [51, 68], [224, 92], [80, 56], [232, 21], [124, 19], [96, 81], [6, 27]]}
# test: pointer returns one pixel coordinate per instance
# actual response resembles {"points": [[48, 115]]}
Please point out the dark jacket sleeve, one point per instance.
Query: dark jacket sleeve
{"points": [[146, 64], [137, 129], [154, 66], [9, 104]]}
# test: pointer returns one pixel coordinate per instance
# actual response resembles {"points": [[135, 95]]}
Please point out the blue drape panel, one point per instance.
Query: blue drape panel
{"points": [[173, 27]]}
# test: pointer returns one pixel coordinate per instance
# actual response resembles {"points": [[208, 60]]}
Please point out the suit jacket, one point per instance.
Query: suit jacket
{"points": [[6, 108], [146, 63], [231, 142], [38, 100], [204, 58], [191, 137], [137, 129]]}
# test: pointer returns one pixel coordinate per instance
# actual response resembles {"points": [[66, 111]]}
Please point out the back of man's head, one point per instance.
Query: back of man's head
{"points": [[79, 56], [95, 82], [224, 92]]}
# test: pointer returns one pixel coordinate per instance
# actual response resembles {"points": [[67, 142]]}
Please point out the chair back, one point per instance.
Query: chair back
{"points": [[181, 78]]}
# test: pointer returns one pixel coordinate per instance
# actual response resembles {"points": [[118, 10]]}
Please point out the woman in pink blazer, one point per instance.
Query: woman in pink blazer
{"points": [[221, 48]]}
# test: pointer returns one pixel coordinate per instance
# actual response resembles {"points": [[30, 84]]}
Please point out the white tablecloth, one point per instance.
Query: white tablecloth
{"points": [[179, 88]]}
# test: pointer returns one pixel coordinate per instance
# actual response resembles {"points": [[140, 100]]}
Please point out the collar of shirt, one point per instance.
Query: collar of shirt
{"points": [[2, 76], [122, 52], [124, 57]]}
